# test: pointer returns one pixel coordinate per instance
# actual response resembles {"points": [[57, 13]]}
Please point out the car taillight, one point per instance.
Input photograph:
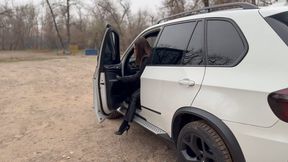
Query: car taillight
{"points": [[278, 102]]}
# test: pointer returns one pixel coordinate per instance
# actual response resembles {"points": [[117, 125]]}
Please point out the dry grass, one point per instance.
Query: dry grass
{"points": [[16, 56]]}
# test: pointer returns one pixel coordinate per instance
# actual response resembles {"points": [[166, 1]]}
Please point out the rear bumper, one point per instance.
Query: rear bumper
{"points": [[262, 144]]}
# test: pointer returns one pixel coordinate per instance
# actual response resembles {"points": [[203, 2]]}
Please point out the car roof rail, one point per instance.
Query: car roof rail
{"points": [[243, 5]]}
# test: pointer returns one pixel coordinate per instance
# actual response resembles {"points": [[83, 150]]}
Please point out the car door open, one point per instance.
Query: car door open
{"points": [[107, 90]]}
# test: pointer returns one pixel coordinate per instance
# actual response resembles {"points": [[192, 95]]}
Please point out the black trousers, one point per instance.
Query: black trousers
{"points": [[134, 103]]}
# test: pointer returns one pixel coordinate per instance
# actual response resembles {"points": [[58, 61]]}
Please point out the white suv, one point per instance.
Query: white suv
{"points": [[216, 85]]}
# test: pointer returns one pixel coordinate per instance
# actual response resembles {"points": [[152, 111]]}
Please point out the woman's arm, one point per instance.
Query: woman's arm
{"points": [[137, 75]]}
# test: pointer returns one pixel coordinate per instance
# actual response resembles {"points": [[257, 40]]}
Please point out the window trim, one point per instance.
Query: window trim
{"points": [[240, 33]]}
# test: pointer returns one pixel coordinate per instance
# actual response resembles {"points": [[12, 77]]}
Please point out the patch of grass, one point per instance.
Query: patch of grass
{"points": [[19, 59]]}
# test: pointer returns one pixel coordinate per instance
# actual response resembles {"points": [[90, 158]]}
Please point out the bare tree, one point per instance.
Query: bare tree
{"points": [[174, 6], [266, 2], [118, 17], [68, 25], [66, 12], [206, 3], [137, 23], [64, 9], [58, 25], [4, 12], [18, 27], [55, 24], [65, 22]]}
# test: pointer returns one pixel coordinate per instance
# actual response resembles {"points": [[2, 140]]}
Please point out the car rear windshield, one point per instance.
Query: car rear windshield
{"points": [[279, 23]]}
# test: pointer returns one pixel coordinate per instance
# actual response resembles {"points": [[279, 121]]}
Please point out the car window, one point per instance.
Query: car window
{"points": [[111, 49], [130, 66], [152, 36], [279, 23], [172, 44], [195, 53], [151, 40], [224, 44]]}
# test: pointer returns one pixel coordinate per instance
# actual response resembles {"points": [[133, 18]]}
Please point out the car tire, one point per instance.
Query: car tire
{"points": [[199, 142], [114, 115]]}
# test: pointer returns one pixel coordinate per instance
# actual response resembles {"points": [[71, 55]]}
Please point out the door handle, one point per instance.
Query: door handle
{"points": [[186, 82]]}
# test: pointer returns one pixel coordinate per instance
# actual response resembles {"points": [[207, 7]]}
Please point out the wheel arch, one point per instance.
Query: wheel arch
{"points": [[185, 115]]}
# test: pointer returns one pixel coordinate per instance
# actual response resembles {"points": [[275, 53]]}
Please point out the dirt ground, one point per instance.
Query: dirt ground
{"points": [[46, 115]]}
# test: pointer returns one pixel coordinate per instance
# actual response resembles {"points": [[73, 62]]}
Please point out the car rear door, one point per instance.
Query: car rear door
{"points": [[175, 75]]}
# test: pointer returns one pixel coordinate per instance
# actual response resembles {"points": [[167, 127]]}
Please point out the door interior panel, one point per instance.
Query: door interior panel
{"points": [[115, 89]]}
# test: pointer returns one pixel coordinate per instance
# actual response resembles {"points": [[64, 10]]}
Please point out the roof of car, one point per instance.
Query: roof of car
{"points": [[222, 13], [265, 11]]}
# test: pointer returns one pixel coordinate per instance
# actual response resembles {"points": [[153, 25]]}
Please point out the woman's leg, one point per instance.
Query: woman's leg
{"points": [[135, 100], [123, 127]]}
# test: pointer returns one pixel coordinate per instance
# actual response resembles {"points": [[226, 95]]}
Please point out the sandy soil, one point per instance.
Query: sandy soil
{"points": [[46, 115]]}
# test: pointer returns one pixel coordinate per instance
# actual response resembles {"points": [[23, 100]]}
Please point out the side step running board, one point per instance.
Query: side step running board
{"points": [[144, 123], [149, 126]]}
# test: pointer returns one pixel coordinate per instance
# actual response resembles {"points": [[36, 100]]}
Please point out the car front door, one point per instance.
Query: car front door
{"points": [[106, 88], [175, 75]]}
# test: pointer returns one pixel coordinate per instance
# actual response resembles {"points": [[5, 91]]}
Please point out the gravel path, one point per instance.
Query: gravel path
{"points": [[46, 115]]}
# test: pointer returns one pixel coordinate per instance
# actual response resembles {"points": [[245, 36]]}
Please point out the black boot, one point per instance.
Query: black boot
{"points": [[123, 127]]}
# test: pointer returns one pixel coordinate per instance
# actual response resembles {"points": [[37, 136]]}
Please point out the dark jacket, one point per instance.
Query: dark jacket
{"points": [[136, 77]]}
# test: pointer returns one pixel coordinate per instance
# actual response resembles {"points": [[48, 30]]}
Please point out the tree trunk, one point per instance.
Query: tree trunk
{"points": [[254, 2], [55, 24], [68, 26], [206, 3]]}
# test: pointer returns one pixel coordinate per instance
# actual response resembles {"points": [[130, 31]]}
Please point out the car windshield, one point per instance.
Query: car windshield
{"points": [[279, 23]]}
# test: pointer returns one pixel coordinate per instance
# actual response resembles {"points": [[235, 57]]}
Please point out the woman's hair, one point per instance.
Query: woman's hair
{"points": [[143, 49]]}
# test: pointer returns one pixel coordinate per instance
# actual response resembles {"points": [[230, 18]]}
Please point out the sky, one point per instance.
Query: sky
{"points": [[145, 4]]}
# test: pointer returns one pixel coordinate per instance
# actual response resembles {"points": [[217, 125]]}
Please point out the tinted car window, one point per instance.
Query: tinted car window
{"points": [[172, 43], [195, 52], [111, 49], [224, 43], [151, 37], [279, 23]]}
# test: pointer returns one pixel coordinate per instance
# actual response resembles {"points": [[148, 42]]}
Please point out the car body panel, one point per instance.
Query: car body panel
{"points": [[164, 94], [239, 94], [262, 144]]}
